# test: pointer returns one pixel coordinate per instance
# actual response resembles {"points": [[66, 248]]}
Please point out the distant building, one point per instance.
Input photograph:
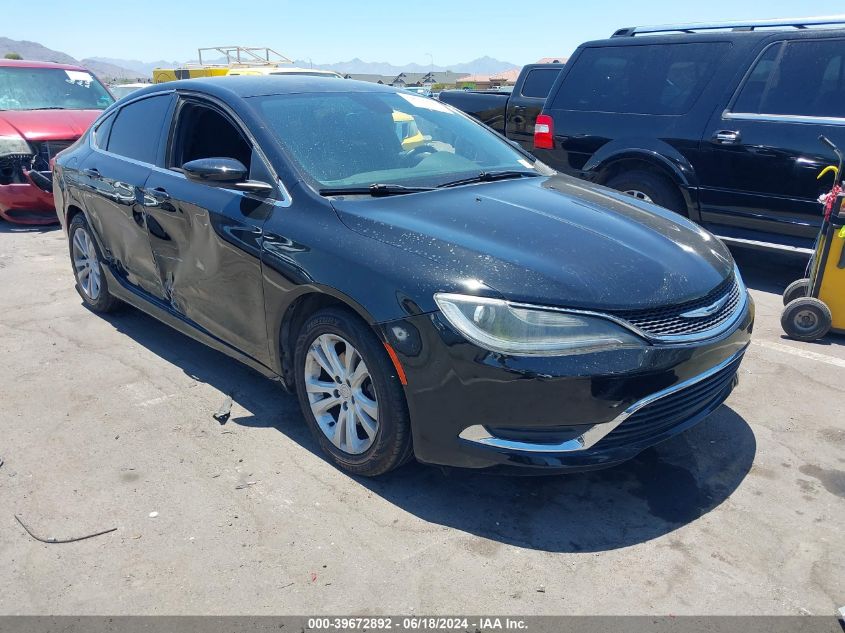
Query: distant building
{"points": [[375, 79], [409, 80], [485, 82], [503, 78]]}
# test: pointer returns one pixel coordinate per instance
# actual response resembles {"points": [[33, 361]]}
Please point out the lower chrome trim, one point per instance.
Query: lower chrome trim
{"points": [[480, 435], [767, 246]]}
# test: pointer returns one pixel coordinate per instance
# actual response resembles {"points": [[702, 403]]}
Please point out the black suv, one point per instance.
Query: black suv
{"points": [[720, 122]]}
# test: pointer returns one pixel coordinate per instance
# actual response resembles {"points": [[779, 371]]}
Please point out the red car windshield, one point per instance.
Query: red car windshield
{"points": [[23, 88]]}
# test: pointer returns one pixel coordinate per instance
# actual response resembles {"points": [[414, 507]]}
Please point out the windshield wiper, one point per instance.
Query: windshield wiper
{"points": [[491, 176], [376, 190]]}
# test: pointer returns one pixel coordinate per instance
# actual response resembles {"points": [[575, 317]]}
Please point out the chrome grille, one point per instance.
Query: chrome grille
{"points": [[669, 322]]}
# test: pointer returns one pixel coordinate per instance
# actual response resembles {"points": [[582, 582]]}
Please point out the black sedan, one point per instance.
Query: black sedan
{"points": [[448, 297]]}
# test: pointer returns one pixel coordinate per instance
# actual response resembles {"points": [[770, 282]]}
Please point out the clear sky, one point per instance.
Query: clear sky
{"points": [[398, 31]]}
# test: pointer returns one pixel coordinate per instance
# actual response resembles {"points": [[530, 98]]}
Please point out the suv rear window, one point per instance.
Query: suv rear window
{"points": [[639, 79], [802, 78]]}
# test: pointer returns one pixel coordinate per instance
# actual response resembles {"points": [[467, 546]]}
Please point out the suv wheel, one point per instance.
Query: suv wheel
{"points": [[350, 394], [649, 187], [91, 281]]}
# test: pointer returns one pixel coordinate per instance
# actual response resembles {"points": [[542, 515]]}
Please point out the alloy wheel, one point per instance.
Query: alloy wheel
{"points": [[341, 393], [639, 195], [85, 264]]}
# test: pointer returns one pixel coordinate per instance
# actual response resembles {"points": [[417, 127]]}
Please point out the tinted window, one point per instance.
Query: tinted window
{"points": [[101, 134], [804, 78], [539, 81], [136, 129], [652, 79], [203, 132]]}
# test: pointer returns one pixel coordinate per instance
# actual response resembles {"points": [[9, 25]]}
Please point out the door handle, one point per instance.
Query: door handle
{"points": [[160, 194], [726, 137], [92, 172], [158, 198]]}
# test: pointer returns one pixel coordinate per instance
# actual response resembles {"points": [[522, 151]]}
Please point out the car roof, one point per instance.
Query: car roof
{"points": [[28, 63], [735, 36], [245, 86]]}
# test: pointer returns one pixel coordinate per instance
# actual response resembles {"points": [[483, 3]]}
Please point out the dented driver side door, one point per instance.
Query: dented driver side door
{"points": [[206, 242]]}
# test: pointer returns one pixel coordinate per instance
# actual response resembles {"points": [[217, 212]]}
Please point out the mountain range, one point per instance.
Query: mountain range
{"points": [[112, 68]]}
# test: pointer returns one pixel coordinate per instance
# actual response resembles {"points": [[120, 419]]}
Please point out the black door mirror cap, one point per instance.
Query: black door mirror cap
{"points": [[216, 171]]}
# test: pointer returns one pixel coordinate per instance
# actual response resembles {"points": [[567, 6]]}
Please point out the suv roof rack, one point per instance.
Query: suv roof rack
{"points": [[749, 25]]}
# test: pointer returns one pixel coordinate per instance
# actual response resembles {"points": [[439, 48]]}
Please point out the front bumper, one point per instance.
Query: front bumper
{"points": [[478, 409], [26, 202]]}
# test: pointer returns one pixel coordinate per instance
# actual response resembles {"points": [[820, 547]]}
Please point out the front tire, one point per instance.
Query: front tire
{"points": [[649, 187], [806, 319], [350, 394], [87, 265]]}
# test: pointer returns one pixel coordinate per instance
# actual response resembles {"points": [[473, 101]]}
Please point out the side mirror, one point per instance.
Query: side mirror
{"points": [[224, 172]]}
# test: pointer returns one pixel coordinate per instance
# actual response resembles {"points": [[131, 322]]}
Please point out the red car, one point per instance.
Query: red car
{"points": [[44, 108]]}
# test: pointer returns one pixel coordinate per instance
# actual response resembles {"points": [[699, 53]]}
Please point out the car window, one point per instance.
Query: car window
{"points": [[640, 79], [204, 132], [101, 133], [350, 139], [539, 81], [136, 130], [26, 88], [801, 78]]}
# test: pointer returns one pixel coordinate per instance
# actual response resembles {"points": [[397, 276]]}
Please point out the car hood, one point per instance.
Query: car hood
{"points": [[554, 241], [45, 125]]}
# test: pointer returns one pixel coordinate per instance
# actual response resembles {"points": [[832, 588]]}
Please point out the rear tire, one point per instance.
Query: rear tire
{"points": [[362, 381], [797, 289], [806, 319], [86, 260], [649, 187]]}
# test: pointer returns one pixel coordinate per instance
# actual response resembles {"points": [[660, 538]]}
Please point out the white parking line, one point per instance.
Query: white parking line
{"points": [[802, 353]]}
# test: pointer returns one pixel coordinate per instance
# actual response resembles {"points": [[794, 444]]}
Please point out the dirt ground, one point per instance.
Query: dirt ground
{"points": [[108, 420]]}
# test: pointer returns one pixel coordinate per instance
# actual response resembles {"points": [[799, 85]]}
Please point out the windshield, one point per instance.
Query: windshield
{"points": [[358, 139], [24, 88]]}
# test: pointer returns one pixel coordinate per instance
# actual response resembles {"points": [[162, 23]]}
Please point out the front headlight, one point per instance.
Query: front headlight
{"points": [[500, 326], [14, 145]]}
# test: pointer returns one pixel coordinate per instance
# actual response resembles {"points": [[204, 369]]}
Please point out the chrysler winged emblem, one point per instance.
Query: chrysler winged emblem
{"points": [[706, 311]]}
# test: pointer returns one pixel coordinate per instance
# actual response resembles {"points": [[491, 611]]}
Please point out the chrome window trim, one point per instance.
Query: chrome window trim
{"points": [[477, 434], [676, 338], [783, 118]]}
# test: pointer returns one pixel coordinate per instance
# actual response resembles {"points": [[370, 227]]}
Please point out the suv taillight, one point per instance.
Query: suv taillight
{"points": [[544, 130]]}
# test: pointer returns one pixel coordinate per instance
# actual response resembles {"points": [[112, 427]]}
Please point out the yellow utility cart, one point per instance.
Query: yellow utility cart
{"points": [[815, 305]]}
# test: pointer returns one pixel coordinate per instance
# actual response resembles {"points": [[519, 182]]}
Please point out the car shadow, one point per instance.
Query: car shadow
{"points": [[661, 490], [769, 271], [12, 227]]}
